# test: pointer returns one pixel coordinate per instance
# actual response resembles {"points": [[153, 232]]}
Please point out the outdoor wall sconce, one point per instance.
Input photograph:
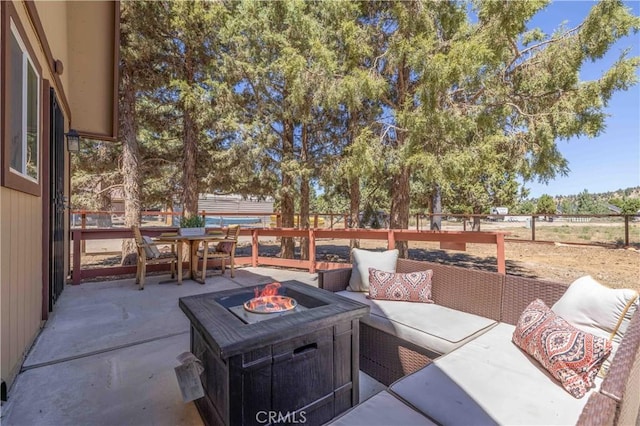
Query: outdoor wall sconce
{"points": [[73, 141], [58, 67]]}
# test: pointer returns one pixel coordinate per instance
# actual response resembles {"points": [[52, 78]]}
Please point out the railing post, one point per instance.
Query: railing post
{"points": [[78, 235], [315, 220], [278, 220], [312, 251], [346, 219], [204, 216], [626, 230], [83, 225], [502, 267], [77, 238], [330, 220], [417, 221], [391, 239], [533, 228], [254, 248]]}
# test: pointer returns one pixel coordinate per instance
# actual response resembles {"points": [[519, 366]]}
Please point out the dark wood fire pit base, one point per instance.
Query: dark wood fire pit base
{"points": [[296, 368]]}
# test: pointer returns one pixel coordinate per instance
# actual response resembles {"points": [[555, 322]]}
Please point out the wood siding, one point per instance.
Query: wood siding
{"points": [[92, 93], [86, 89], [20, 276], [84, 36], [21, 222]]}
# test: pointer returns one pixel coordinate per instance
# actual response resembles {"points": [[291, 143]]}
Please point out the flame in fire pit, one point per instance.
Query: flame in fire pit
{"points": [[268, 290], [268, 301]]}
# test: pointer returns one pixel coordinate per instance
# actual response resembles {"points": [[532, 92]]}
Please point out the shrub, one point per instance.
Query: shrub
{"points": [[192, 222]]}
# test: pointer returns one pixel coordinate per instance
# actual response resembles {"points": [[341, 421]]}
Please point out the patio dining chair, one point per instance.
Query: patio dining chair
{"points": [[224, 250], [149, 254]]}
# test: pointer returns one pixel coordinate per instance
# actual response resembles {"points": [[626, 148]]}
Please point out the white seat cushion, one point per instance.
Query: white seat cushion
{"points": [[428, 325], [382, 409], [490, 380]]}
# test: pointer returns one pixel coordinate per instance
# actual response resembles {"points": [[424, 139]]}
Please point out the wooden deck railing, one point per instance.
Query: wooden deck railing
{"points": [[447, 240], [625, 227]]}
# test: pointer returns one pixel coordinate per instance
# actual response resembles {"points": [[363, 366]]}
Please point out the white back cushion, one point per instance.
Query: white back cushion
{"points": [[597, 309], [363, 260]]}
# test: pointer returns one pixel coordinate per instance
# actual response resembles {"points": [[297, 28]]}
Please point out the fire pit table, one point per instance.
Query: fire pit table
{"points": [[263, 367]]}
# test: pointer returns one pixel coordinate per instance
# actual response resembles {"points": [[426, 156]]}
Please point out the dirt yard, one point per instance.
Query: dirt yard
{"points": [[616, 268]]}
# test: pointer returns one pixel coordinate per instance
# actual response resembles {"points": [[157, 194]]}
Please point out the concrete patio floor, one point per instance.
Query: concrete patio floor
{"points": [[107, 354]]}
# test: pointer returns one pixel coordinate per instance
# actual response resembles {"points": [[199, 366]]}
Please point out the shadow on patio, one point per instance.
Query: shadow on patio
{"points": [[108, 352]]}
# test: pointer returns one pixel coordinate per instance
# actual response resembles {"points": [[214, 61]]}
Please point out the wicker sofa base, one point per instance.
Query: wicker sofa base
{"points": [[502, 298], [387, 358]]}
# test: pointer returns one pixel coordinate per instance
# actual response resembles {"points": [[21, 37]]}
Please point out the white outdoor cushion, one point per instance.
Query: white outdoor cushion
{"points": [[597, 309], [363, 260], [490, 381], [382, 409], [151, 249], [428, 325]]}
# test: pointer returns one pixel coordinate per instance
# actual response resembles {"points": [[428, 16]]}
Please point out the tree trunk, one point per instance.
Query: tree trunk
{"points": [[436, 209], [287, 245], [190, 138], [400, 206], [476, 220], [168, 220], [354, 189], [304, 217], [354, 208], [304, 195], [104, 205], [189, 178], [400, 189], [130, 162]]}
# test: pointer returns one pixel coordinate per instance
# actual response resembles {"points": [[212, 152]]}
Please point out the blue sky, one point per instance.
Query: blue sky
{"points": [[612, 160]]}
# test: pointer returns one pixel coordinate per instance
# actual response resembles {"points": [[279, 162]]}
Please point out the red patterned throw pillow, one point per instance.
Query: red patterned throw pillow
{"points": [[572, 356], [410, 287]]}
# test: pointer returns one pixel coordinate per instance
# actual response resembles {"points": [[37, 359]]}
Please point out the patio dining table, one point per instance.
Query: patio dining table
{"points": [[193, 241]]}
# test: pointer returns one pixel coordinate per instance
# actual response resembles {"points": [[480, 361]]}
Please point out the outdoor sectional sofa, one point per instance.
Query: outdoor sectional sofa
{"points": [[453, 361]]}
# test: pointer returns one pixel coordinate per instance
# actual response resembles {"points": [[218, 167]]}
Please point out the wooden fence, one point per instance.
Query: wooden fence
{"points": [[418, 221], [447, 239]]}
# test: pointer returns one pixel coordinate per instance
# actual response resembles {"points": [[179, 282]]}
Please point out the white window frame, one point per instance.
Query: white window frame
{"points": [[28, 62]]}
